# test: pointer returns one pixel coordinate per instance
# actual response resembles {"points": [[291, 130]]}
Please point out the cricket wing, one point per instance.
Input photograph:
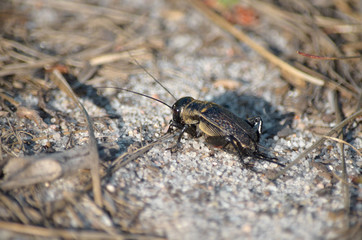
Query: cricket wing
{"points": [[223, 122], [210, 128]]}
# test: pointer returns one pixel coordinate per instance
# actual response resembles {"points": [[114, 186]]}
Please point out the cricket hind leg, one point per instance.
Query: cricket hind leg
{"points": [[256, 121], [264, 157], [225, 142], [229, 143]]}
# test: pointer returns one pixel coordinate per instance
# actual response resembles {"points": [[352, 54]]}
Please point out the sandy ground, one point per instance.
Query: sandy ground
{"points": [[200, 192]]}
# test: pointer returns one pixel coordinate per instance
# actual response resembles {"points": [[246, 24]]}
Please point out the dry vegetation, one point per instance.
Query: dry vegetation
{"points": [[68, 45]]}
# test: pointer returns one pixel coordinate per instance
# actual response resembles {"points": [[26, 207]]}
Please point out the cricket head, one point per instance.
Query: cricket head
{"points": [[178, 108]]}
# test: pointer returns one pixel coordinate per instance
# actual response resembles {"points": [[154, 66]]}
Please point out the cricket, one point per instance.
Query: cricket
{"points": [[220, 127]]}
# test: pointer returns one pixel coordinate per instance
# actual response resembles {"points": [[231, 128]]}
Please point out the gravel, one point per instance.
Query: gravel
{"points": [[205, 193], [201, 193]]}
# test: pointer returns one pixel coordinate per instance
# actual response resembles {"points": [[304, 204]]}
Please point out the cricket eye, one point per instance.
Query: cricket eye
{"points": [[176, 114]]}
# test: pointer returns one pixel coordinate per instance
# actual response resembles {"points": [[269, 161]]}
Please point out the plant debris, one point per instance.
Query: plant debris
{"points": [[78, 161]]}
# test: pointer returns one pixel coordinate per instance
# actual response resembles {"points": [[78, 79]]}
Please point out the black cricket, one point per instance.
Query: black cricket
{"points": [[220, 127]]}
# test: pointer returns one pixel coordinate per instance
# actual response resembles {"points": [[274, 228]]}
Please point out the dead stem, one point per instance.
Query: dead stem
{"points": [[69, 234], [335, 130], [94, 156]]}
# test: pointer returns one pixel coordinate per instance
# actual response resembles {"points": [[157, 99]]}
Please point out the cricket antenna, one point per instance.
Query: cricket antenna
{"points": [[141, 94], [144, 69]]}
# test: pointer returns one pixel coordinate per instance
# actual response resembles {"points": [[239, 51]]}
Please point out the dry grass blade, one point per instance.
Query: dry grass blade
{"points": [[344, 182], [112, 57], [10, 99], [68, 234], [14, 208], [344, 142], [80, 8], [94, 157], [326, 57], [21, 47], [21, 67], [334, 75], [335, 130], [30, 58], [1, 153], [224, 24], [346, 191], [126, 158]]}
